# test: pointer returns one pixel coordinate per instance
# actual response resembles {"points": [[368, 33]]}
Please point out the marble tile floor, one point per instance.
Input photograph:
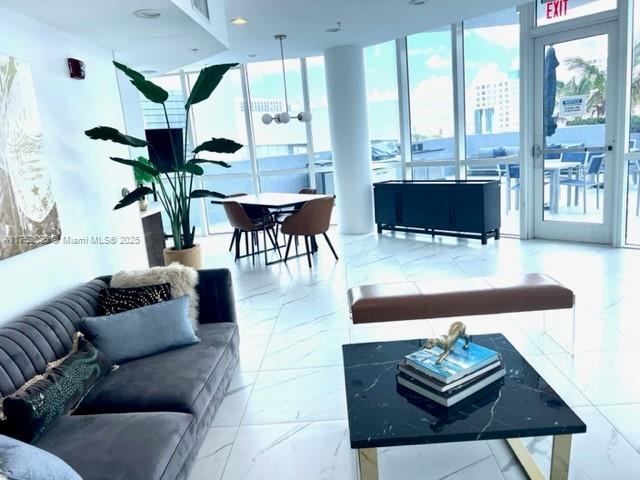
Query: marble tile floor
{"points": [[284, 416]]}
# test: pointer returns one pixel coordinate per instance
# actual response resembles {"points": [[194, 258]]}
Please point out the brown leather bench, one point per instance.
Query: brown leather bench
{"points": [[457, 298]]}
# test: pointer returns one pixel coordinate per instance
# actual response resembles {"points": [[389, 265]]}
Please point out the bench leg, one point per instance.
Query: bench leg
{"points": [[571, 339]]}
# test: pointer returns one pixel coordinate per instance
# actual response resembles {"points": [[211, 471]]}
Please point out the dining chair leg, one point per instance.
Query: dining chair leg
{"points": [[306, 246], [237, 239], [584, 198], [274, 241], [246, 242], [326, 237], [253, 248], [598, 191], [233, 238], [264, 239], [296, 242], [286, 253]]}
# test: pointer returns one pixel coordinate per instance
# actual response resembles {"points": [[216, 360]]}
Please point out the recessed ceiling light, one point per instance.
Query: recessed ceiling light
{"points": [[252, 55], [148, 14], [148, 72], [417, 2], [239, 21]]}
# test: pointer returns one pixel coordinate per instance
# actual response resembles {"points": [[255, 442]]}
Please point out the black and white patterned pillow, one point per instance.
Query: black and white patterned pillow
{"points": [[118, 300]]}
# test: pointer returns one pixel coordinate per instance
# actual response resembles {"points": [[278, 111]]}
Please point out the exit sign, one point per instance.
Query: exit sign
{"points": [[555, 8]]}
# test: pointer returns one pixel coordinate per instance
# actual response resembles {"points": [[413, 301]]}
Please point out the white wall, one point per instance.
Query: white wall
{"points": [[86, 183]]}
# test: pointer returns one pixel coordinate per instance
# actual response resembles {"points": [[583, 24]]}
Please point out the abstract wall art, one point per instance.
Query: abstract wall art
{"points": [[28, 213]]}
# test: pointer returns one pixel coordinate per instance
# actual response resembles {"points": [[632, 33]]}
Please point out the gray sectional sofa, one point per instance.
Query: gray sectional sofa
{"points": [[147, 419]]}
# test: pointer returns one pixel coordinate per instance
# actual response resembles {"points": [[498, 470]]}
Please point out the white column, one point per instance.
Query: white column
{"points": [[350, 144]]}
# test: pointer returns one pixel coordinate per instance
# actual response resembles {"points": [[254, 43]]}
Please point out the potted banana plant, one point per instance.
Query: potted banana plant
{"points": [[175, 175]]}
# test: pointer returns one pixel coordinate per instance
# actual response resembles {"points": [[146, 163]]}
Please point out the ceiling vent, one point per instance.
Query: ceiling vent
{"points": [[201, 6]]}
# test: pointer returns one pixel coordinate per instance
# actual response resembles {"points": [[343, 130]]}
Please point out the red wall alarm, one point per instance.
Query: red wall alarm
{"points": [[76, 68]]}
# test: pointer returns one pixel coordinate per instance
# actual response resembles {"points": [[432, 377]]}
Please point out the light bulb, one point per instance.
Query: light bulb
{"points": [[305, 116], [267, 119], [284, 117]]}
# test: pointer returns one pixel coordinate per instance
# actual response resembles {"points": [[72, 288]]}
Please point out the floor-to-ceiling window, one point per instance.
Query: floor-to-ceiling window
{"points": [[431, 88], [281, 149], [384, 118], [223, 115], [633, 155], [492, 106], [320, 128]]}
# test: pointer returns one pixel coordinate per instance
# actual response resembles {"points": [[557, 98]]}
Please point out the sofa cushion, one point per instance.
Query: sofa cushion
{"points": [[142, 331], [117, 300], [182, 380], [145, 446]]}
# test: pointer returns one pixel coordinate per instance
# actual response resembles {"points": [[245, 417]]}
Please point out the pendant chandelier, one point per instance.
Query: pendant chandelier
{"points": [[284, 117]]}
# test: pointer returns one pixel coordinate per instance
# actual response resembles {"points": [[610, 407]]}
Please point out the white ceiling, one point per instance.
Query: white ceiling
{"points": [[162, 44], [365, 22], [167, 43]]}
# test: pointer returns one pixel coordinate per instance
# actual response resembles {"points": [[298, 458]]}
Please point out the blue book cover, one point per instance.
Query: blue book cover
{"points": [[459, 363]]}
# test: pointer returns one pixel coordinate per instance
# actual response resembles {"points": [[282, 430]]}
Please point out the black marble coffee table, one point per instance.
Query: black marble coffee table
{"points": [[383, 414]]}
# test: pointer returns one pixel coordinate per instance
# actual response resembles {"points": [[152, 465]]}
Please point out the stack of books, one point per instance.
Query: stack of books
{"points": [[461, 374]]}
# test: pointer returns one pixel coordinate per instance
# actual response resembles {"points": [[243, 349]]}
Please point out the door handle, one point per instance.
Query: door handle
{"points": [[536, 151]]}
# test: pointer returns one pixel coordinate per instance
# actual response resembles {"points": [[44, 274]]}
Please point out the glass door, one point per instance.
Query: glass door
{"points": [[574, 134]]}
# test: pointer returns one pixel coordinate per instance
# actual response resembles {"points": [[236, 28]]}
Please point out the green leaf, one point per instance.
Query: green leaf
{"points": [[129, 72], [207, 82], [149, 89], [192, 168], [108, 133], [206, 193], [215, 162], [141, 177], [218, 145], [137, 194], [138, 165]]}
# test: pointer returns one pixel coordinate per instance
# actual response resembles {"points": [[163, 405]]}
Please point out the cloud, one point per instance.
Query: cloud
{"points": [[438, 61], [262, 69], [376, 95], [421, 51], [315, 61], [432, 107], [489, 73], [505, 36]]}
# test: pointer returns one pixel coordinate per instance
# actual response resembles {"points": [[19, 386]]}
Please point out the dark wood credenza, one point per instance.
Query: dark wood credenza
{"points": [[459, 208]]}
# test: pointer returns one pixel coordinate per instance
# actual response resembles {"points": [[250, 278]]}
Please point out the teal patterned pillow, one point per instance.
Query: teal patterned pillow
{"points": [[39, 403]]}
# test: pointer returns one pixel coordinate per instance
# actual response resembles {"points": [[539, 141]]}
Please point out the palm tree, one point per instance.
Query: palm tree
{"points": [[592, 81]]}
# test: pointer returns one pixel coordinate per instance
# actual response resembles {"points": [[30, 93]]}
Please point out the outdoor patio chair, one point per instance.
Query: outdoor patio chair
{"points": [[588, 176]]}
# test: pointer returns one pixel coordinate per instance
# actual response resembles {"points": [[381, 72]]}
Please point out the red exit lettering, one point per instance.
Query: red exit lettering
{"points": [[557, 8]]}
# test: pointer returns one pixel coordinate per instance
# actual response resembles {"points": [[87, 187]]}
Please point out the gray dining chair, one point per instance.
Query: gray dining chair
{"points": [[588, 176]]}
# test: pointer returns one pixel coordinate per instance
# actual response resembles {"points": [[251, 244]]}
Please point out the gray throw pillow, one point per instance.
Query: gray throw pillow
{"points": [[142, 331], [21, 461]]}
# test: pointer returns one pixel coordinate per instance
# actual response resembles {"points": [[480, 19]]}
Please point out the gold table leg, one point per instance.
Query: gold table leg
{"points": [[368, 463], [560, 455]]}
